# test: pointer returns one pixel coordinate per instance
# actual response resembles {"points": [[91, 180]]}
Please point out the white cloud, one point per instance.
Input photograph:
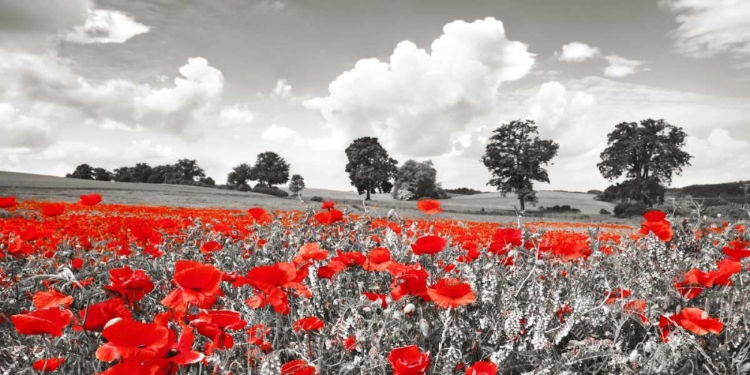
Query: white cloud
{"points": [[33, 24], [718, 157], [21, 130], [620, 67], [711, 27], [277, 133], [418, 99], [282, 89], [269, 6], [109, 124], [236, 115], [577, 52], [106, 26]]}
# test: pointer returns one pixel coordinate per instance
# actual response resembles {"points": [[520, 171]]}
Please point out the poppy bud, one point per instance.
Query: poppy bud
{"points": [[424, 327], [408, 309]]}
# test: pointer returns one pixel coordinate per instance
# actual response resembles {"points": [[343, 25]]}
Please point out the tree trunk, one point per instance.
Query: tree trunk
{"points": [[521, 200], [368, 193]]}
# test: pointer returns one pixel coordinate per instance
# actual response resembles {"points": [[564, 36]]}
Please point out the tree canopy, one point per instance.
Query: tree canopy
{"points": [[297, 184], [240, 175], [647, 154], [83, 172], [369, 165], [270, 169], [515, 156], [415, 180]]}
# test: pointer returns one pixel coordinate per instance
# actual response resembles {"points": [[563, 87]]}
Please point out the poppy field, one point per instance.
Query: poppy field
{"points": [[97, 288]]}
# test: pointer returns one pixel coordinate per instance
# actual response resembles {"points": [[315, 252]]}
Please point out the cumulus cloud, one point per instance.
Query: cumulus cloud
{"points": [[418, 99], [577, 52], [236, 115], [31, 24], [620, 67], [106, 26], [565, 117], [18, 130], [710, 27], [282, 89], [277, 133]]}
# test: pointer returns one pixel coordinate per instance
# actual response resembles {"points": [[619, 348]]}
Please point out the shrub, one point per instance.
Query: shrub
{"points": [[558, 208], [604, 211], [317, 199], [463, 191], [276, 192], [595, 192], [630, 208], [245, 188], [726, 212]]}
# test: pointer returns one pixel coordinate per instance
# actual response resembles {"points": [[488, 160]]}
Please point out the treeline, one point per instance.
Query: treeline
{"points": [[184, 172]]}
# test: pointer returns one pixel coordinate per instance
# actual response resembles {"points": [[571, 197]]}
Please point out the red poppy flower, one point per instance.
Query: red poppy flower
{"points": [[429, 206], [329, 217], [50, 320], [51, 298], [726, 268], [310, 251], [736, 250], [697, 321], [131, 340], [428, 245], [409, 280], [378, 259], [665, 328], [617, 294], [129, 285], [377, 297], [350, 258], [53, 209], [77, 263], [482, 368], [180, 353], [257, 213], [90, 199], [298, 367], [637, 308], [268, 282], [96, 316], [215, 325], [508, 236], [48, 364], [198, 285], [210, 247], [328, 205], [7, 202], [311, 323], [451, 293], [350, 343], [657, 223], [409, 360], [562, 311]]}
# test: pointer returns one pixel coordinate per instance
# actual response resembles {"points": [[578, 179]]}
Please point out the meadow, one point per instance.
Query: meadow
{"points": [[93, 287]]}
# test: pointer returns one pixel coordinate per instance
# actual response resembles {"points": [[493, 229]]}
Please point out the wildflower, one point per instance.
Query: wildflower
{"points": [[90, 199], [96, 316], [656, 222], [451, 293], [50, 320], [617, 294], [378, 259], [129, 285], [308, 324], [482, 368], [198, 284], [131, 340], [210, 247], [48, 364], [328, 205], [298, 367], [409, 360], [429, 206], [53, 209], [428, 245], [215, 325], [329, 217], [7, 202], [51, 298]]}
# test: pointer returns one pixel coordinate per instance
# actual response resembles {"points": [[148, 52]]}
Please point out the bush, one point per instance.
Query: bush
{"points": [[726, 212], [276, 192], [604, 211], [630, 208], [595, 192], [245, 188], [463, 191], [558, 208], [317, 199]]}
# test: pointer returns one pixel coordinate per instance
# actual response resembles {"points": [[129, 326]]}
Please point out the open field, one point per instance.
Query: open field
{"points": [[497, 209]]}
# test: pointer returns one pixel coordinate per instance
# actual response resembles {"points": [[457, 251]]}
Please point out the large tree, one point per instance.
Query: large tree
{"points": [[270, 169], [647, 154], [101, 174], [240, 175], [83, 172], [189, 170], [369, 164], [297, 184], [415, 180], [516, 157]]}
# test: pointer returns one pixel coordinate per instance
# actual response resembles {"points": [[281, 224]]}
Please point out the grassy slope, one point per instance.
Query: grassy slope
{"points": [[29, 186]]}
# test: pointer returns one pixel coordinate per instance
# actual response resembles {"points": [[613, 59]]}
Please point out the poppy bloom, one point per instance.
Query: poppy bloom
{"points": [[562, 311], [329, 217], [257, 213], [53, 209], [310, 251], [637, 308], [308, 324], [409, 280], [657, 223], [198, 284], [508, 236], [7, 202], [617, 294], [51, 298], [429, 206], [180, 353], [482, 368], [428, 245], [298, 367], [48, 364], [50, 320], [215, 325], [268, 282], [96, 316], [350, 343], [736, 250], [210, 247], [328, 205], [129, 285], [409, 360], [90, 199], [132, 340], [697, 321], [378, 259], [451, 293]]}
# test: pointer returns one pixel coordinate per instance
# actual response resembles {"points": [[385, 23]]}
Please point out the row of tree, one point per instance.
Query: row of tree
{"points": [[184, 171]]}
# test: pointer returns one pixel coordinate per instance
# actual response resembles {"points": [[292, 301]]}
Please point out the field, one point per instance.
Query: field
{"points": [[498, 208], [94, 287]]}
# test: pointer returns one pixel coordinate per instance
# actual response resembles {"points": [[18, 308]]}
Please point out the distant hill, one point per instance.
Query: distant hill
{"points": [[712, 194]]}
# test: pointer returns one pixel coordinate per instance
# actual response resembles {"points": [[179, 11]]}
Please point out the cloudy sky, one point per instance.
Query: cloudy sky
{"points": [[112, 83]]}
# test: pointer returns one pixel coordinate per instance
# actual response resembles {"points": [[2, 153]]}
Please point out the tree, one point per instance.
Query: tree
{"points": [[83, 172], [189, 170], [647, 154], [208, 181], [162, 173], [101, 174], [415, 180], [123, 174], [297, 184], [515, 156], [239, 176], [369, 164], [270, 169], [141, 172]]}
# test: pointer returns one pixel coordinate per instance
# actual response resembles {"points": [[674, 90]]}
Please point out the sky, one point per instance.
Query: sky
{"points": [[112, 83]]}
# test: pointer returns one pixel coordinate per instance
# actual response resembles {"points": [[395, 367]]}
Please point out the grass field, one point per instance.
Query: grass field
{"points": [[497, 208]]}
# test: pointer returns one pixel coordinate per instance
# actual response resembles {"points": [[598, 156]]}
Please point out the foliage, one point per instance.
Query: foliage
{"points": [[316, 199], [419, 180], [647, 154], [515, 156], [369, 165], [604, 211], [633, 190], [630, 209], [463, 191], [270, 169], [297, 184], [208, 181], [189, 170], [82, 172], [240, 175], [269, 190], [101, 174], [558, 208]]}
